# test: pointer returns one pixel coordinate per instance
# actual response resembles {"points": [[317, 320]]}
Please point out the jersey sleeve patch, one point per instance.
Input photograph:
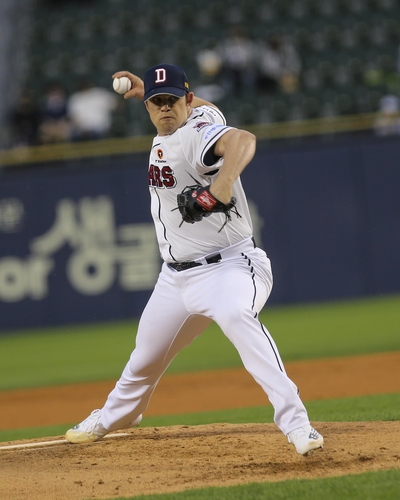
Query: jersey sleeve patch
{"points": [[199, 125]]}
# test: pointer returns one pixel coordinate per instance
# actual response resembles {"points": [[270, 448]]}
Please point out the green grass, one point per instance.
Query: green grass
{"points": [[66, 354], [98, 352], [365, 408], [382, 485], [336, 328]]}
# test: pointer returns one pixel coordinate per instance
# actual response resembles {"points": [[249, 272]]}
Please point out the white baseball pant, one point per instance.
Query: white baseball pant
{"points": [[231, 292]]}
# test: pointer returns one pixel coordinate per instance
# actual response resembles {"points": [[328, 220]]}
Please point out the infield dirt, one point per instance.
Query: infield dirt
{"points": [[176, 458]]}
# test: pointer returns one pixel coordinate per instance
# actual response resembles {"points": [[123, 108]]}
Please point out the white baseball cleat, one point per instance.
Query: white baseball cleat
{"points": [[91, 429], [306, 439]]}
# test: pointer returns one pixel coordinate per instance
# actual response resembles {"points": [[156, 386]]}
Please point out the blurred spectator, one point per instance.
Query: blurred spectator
{"points": [[279, 65], [209, 63], [237, 53], [388, 118], [54, 126], [90, 110], [208, 59], [24, 120]]}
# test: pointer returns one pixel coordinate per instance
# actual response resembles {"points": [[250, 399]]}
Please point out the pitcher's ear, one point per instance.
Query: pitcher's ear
{"points": [[189, 98]]}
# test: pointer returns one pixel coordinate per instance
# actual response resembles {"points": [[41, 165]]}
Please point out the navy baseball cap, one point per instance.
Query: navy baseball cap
{"points": [[165, 79]]}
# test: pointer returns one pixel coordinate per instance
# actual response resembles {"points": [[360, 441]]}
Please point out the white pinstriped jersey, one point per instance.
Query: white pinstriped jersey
{"points": [[174, 161]]}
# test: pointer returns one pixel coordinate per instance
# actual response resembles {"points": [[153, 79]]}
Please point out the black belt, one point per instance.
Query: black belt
{"points": [[182, 266], [213, 259]]}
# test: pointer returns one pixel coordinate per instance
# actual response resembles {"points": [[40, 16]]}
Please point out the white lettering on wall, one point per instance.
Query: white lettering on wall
{"points": [[11, 215], [24, 278], [102, 254]]}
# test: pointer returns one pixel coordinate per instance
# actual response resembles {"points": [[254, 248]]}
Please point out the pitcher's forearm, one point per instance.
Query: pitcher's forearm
{"points": [[238, 150]]}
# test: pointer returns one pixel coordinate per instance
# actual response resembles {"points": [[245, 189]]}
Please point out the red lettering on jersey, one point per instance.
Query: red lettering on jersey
{"points": [[160, 178], [154, 176], [150, 175], [168, 178], [157, 177]]}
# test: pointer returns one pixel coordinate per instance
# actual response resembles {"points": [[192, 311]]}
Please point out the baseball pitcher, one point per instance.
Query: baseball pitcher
{"points": [[212, 269]]}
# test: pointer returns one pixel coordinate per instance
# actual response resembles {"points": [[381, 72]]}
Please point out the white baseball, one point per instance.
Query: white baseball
{"points": [[122, 85]]}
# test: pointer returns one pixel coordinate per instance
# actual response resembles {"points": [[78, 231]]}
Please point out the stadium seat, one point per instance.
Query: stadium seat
{"points": [[338, 43]]}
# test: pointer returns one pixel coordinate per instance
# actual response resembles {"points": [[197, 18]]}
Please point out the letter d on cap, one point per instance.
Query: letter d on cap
{"points": [[161, 75]]}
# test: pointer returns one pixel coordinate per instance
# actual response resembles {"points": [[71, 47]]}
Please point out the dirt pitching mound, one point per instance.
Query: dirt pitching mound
{"points": [[177, 458]]}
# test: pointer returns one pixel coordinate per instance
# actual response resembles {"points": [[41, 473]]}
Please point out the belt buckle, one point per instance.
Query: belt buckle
{"points": [[214, 258]]}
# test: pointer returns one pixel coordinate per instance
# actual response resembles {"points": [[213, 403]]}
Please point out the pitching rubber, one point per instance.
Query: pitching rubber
{"points": [[56, 442]]}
